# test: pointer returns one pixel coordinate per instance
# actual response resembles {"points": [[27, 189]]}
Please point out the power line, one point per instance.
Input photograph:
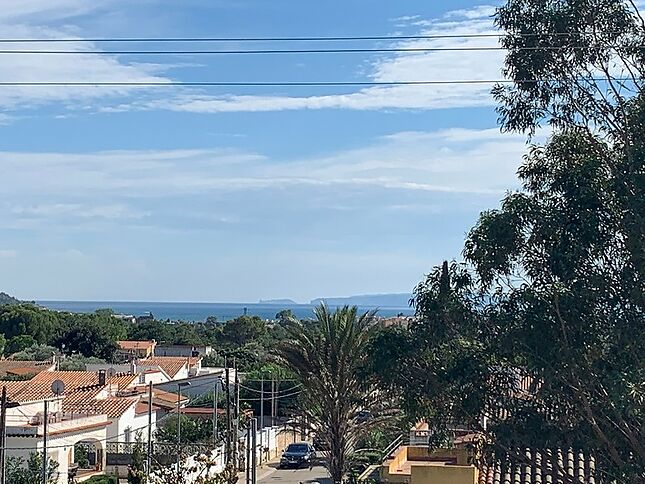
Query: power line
{"points": [[286, 390], [306, 51], [299, 39], [293, 83]]}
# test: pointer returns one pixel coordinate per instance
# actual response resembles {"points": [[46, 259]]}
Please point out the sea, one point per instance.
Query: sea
{"points": [[195, 312]]}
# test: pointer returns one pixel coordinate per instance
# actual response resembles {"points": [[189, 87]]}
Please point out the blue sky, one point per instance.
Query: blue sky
{"points": [[237, 194]]}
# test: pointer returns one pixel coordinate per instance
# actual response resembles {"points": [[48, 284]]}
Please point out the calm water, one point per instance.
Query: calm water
{"points": [[197, 311]]}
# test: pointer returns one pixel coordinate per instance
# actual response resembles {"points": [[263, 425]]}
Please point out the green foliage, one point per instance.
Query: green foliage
{"points": [[330, 358], [285, 316], [7, 299], [36, 353], [78, 362], [21, 471], [24, 377], [3, 343], [91, 334], [137, 468], [284, 385], [81, 456], [206, 334], [20, 343], [27, 319], [565, 78], [192, 430], [243, 330], [109, 479]]}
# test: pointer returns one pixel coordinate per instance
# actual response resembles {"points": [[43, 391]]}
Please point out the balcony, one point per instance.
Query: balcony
{"points": [[58, 423]]}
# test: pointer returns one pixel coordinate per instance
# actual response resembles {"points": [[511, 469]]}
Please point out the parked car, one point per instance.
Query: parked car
{"points": [[298, 455]]}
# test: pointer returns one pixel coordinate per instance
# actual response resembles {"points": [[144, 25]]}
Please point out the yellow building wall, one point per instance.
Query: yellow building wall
{"points": [[443, 475]]}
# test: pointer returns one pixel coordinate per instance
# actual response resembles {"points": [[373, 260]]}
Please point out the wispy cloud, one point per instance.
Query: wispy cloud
{"points": [[404, 66], [25, 19], [133, 186], [8, 253], [407, 66]]}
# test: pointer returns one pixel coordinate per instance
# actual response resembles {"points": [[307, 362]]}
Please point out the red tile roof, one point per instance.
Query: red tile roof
{"points": [[12, 366], [136, 345], [546, 466], [170, 364]]}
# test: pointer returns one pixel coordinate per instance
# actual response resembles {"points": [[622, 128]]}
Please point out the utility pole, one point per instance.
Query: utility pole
{"points": [[179, 385], [275, 397], [228, 417], [272, 401], [45, 458], [178, 429], [215, 402], [247, 461], [237, 413], [254, 463], [261, 418], [149, 456], [3, 433]]}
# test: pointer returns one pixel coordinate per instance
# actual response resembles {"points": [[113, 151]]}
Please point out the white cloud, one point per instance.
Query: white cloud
{"points": [[8, 253], [435, 66], [24, 19], [406, 66], [45, 9], [448, 161], [111, 211]]}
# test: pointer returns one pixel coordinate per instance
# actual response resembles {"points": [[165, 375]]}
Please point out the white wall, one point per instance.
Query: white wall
{"points": [[59, 447]]}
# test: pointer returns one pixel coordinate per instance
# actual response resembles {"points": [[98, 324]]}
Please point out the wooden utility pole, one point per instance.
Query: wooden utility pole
{"points": [[3, 434], [149, 456]]}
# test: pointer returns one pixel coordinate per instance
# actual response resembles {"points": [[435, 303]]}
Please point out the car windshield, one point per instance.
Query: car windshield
{"points": [[297, 448]]}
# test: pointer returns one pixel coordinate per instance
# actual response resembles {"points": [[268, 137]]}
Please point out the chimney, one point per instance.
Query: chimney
{"points": [[133, 367], [102, 379]]}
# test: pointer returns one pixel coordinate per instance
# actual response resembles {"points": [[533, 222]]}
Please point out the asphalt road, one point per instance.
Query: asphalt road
{"points": [[272, 475]]}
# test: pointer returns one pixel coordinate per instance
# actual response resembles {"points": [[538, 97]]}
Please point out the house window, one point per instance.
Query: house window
{"points": [[128, 435], [142, 378]]}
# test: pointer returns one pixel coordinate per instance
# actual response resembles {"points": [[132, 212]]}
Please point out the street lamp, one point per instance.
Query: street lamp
{"points": [[179, 385]]}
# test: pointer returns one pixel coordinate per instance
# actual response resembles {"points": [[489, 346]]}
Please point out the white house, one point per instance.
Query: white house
{"points": [[25, 428]]}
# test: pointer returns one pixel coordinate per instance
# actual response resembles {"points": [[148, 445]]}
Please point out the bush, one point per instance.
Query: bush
{"points": [[102, 480]]}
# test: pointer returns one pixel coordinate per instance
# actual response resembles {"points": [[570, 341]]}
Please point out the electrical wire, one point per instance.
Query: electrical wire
{"points": [[286, 390], [291, 83], [305, 51], [298, 39]]}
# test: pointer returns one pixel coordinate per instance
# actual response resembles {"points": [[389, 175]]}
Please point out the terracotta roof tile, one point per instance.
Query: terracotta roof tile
{"points": [[170, 364], [71, 379], [544, 466], [122, 380], [136, 345], [113, 407], [142, 407], [10, 366]]}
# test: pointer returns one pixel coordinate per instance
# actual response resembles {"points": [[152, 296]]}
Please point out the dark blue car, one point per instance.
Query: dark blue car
{"points": [[298, 455]]}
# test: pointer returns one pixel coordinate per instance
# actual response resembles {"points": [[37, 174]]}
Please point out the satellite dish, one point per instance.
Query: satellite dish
{"points": [[58, 387], [111, 372]]}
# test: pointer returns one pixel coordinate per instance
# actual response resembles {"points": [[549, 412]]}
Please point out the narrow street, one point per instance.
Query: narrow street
{"points": [[272, 475]]}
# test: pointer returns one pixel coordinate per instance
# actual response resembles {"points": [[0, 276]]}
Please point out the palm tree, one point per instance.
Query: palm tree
{"points": [[339, 401]]}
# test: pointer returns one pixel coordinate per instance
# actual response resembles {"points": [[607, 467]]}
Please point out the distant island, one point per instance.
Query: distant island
{"points": [[7, 299], [278, 302], [399, 300]]}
